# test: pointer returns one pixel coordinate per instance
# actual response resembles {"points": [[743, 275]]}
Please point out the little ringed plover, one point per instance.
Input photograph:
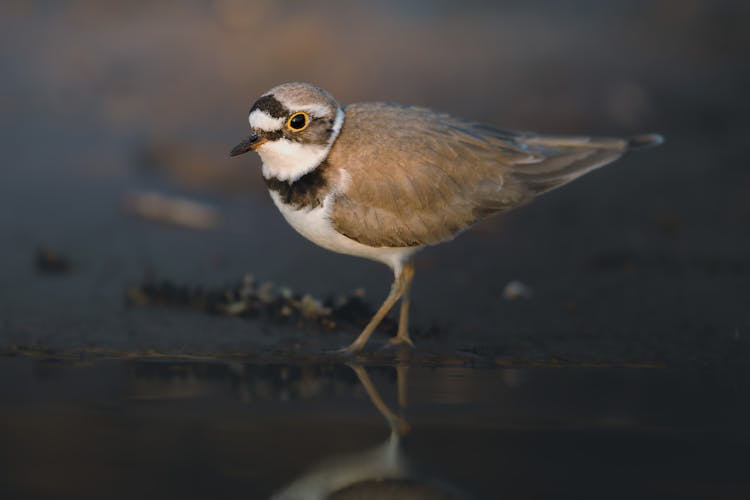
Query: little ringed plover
{"points": [[382, 181]]}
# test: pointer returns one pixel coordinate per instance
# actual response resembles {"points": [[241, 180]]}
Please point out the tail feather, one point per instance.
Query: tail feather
{"points": [[644, 141], [564, 159]]}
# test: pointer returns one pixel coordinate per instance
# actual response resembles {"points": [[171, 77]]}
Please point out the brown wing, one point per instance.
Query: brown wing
{"points": [[419, 177]]}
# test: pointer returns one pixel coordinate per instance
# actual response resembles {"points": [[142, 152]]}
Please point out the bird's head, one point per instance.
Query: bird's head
{"points": [[292, 127]]}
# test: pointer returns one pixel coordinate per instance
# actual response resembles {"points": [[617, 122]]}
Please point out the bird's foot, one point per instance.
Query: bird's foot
{"points": [[400, 425], [346, 352], [399, 341]]}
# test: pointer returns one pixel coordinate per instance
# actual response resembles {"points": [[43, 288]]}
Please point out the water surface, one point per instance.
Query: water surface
{"points": [[210, 429]]}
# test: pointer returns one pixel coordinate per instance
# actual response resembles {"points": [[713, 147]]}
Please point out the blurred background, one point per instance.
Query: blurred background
{"points": [[108, 106], [116, 119]]}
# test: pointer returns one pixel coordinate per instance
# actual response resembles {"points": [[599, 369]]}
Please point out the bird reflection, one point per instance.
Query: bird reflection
{"points": [[381, 472]]}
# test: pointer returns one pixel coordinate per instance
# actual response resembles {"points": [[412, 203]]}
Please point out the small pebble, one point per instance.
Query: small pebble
{"points": [[515, 290], [310, 307]]}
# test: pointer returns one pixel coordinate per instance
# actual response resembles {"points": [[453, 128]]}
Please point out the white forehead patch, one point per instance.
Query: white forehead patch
{"points": [[263, 121]]}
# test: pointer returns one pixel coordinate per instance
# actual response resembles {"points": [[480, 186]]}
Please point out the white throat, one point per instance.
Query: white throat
{"points": [[288, 161]]}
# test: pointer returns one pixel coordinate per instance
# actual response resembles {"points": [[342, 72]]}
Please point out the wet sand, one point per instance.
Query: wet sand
{"points": [[644, 261]]}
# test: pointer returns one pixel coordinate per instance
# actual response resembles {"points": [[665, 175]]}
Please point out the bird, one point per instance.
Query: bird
{"points": [[383, 181], [382, 472]]}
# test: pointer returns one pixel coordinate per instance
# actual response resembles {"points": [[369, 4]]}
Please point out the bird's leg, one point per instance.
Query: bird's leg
{"points": [[402, 373], [397, 423], [397, 290], [402, 336]]}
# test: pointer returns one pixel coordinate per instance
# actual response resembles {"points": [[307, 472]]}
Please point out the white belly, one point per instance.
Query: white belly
{"points": [[315, 225]]}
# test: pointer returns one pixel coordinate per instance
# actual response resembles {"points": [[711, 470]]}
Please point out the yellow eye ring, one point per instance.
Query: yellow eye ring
{"points": [[295, 124]]}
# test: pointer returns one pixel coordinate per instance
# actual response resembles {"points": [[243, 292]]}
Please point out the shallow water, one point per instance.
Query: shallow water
{"points": [[211, 429]]}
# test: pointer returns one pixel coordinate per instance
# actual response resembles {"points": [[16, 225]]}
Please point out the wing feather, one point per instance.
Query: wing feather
{"points": [[419, 177]]}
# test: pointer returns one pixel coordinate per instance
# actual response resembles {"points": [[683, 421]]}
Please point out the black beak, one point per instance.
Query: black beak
{"points": [[248, 144]]}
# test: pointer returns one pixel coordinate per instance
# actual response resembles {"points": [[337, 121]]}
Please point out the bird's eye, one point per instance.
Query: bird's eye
{"points": [[298, 122]]}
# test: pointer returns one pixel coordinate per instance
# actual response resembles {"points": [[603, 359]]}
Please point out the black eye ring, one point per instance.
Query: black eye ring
{"points": [[298, 121]]}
